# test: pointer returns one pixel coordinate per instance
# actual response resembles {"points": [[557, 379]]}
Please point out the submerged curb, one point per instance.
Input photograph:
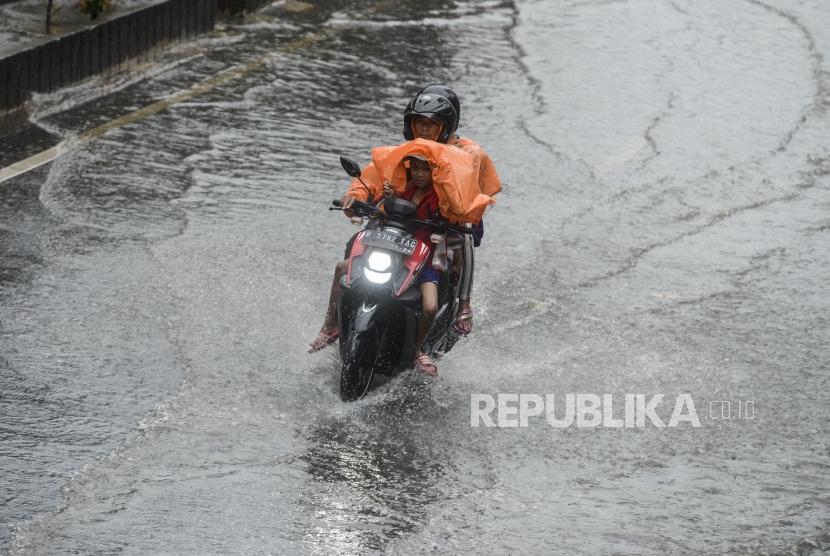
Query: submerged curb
{"points": [[63, 60]]}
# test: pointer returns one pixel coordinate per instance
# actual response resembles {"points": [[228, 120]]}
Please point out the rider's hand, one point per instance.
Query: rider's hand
{"points": [[388, 190], [346, 202]]}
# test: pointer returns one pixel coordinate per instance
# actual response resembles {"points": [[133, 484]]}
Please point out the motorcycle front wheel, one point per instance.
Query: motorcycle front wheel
{"points": [[360, 355]]}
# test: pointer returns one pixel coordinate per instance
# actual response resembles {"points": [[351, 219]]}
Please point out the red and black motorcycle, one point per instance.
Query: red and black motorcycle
{"points": [[379, 310]]}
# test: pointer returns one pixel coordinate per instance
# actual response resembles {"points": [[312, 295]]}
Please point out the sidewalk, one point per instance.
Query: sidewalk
{"points": [[32, 61], [23, 22], [78, 47]]}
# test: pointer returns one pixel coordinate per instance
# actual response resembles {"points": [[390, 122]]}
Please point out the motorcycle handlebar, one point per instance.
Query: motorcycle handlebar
{"points": [[358, 207]]}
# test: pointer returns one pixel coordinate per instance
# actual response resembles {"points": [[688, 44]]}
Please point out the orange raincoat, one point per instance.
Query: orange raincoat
{"points": [[488, 180], [454, 177]]}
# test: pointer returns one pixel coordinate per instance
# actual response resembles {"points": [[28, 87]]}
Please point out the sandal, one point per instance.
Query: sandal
{"points": [[424, 364], [463, 324], [324, 338]]}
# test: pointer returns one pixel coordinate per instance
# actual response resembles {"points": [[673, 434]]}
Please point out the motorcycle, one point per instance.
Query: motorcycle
{"points": [[380, 306]]}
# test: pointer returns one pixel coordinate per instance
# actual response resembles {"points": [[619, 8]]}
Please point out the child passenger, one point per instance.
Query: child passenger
{"points": [[419, 190]]}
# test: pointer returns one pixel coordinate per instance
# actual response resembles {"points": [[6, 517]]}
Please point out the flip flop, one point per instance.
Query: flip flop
{"points": [[463, 323], [324, 338], [424, 364]]}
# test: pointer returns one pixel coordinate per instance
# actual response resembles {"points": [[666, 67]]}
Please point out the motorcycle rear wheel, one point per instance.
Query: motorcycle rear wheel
{"points": [[360, 355]]}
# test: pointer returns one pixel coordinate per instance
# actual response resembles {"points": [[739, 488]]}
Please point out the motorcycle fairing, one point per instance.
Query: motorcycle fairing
{"points": [[357, 250], [414, 263]]}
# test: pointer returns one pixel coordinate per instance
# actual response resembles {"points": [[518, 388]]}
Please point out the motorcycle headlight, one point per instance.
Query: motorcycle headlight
{"points": [[379, 261], [377, 277]]}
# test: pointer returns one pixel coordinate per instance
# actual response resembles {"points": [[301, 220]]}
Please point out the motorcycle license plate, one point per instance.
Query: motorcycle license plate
{"points": [[379, 238]]}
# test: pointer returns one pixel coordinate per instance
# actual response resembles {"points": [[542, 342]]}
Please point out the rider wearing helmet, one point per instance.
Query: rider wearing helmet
{"points": [[488, 179], [433, 113], [430, 116]]}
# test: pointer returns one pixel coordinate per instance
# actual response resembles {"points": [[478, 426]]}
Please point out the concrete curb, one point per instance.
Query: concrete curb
{"points": [[67, 59]]}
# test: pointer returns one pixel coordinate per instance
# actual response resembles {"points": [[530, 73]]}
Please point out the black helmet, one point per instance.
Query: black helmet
{"points": [[448, 94], [435, 107]]}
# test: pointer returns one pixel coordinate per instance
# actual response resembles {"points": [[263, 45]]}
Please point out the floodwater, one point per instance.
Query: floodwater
{"points": [[663, 229]]}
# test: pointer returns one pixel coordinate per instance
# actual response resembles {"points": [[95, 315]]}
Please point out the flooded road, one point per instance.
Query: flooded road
{"points": [[663, 229]]}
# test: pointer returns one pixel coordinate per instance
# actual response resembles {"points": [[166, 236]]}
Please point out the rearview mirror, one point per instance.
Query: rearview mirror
{"points": [[352, 168]]}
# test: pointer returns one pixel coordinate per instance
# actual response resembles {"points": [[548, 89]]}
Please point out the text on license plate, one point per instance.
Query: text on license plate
{"points": [[386, 240]]}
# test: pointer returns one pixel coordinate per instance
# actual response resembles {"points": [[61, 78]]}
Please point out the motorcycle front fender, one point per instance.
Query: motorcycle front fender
{"points": [[363, 317]]}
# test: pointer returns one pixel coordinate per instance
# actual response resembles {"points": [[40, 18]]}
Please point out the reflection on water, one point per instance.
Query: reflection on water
{"points": [[385, 470]]}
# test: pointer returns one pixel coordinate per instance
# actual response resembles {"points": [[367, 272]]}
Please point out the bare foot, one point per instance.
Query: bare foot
{"points": [[463, 324], [424, 364]]}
